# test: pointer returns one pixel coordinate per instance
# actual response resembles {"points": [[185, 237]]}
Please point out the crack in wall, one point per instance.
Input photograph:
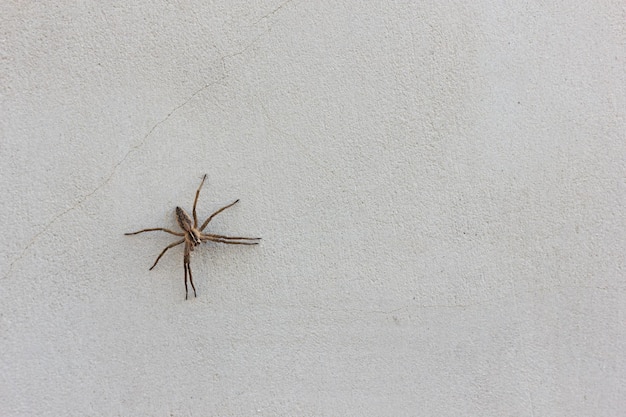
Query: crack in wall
{"points": [[265, 16], [106, 180], [135, 148]]}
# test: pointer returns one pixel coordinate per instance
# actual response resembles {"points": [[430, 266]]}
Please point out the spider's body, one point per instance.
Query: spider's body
{"points": [[193, 236]]}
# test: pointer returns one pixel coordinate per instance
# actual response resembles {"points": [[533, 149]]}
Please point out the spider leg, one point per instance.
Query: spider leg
{"points": [[230, 242], [185, 261], [208, 235], [186, 292], [155, 229], [195, 202], [191, 280], [187, 267], [216, 213], [178, 242]]}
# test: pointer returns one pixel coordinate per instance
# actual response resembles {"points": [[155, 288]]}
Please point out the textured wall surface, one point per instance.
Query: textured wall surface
{"points": [[440, 187]]}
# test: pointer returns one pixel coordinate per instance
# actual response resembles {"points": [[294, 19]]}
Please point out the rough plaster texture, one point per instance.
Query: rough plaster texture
{"points": [[440, 187]]}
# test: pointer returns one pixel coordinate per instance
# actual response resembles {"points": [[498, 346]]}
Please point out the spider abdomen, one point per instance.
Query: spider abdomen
{"points": [[183, 219]]}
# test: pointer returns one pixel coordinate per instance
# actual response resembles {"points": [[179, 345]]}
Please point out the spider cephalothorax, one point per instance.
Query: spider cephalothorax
{"points": [[193, 236]]}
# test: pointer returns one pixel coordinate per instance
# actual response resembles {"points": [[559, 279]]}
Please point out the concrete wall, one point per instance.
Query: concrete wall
{"points": [[440, 188]]}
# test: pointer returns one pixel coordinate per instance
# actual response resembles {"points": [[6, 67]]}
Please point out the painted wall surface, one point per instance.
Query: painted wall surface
{"points": [[440, 189]]}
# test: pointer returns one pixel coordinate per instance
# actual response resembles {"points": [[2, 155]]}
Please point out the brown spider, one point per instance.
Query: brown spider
{"points": [[193, 236]]}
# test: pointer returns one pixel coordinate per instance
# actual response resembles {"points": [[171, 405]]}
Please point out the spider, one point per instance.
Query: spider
{"points": [[194, 236]]}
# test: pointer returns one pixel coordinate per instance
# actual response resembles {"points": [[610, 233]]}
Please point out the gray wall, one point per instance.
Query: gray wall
{"points": [[440, 187]]}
